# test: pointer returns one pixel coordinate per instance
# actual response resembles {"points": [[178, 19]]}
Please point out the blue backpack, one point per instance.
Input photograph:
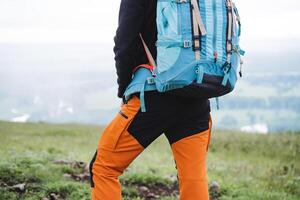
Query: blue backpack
{"points": [[198, 52]]}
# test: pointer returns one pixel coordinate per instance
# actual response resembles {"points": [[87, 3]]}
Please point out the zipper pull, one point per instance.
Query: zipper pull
{"points": [[216, 56]]}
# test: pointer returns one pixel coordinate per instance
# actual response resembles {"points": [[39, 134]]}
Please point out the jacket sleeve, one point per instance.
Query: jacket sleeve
{"points": [[131, 16]]}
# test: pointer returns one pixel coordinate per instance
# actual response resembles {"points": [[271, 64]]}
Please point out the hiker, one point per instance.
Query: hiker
{"points": [[179, 109]]}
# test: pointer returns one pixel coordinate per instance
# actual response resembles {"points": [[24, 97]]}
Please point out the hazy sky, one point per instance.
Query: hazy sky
{"points": [[96, 20], [268, 27]]}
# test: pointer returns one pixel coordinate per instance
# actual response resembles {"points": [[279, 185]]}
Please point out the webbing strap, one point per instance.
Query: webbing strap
{"points": [[229, 31], [200, 74], [194, 5], [217, 103], [197, 16], [238, 18], [142, 97], [234, 25], [225, 79], [227, 65], [152, 63], [184, 43], [239, 52], [148, 53]]}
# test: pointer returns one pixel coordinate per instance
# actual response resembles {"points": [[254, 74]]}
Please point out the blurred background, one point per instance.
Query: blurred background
{"points": [[56, 64]]}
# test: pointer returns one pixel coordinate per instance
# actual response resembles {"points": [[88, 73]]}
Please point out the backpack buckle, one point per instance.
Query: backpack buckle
{"points": [[226, 67], [187, 44], [150, 80]]}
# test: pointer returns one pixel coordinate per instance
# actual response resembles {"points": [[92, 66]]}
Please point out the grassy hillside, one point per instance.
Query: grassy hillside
{"points": [[49, 161]]}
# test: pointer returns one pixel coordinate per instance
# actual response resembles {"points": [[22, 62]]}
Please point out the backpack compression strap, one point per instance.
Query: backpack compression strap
{"points": [[229, 31], [227, 66], [196, 34], [148, 53], [149, 80], [197, 24], [197, 17]]}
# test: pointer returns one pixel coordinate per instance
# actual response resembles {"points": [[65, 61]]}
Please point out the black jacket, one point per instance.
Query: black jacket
{"points": [[135, 16]]}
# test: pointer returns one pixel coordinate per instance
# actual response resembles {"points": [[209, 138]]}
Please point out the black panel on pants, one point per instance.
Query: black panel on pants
{"points": [[176, 117]]}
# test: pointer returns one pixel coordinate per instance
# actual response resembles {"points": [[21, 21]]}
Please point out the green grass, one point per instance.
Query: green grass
{"points": [[244, 166]]}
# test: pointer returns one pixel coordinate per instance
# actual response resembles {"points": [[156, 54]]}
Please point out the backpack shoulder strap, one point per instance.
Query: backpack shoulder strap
{"points": [[197, 16]]}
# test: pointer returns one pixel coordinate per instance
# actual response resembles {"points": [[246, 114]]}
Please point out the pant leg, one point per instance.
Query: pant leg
{"points": [[123, 140], [190, 157], [116, 150]]}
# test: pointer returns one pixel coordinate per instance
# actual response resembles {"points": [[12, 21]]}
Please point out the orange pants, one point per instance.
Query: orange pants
{"points": [[118, 147]]}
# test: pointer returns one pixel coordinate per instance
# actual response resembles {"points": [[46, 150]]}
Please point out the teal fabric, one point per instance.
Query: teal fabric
{"points": [[173, 59], [167, 56], [210, 25]]}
